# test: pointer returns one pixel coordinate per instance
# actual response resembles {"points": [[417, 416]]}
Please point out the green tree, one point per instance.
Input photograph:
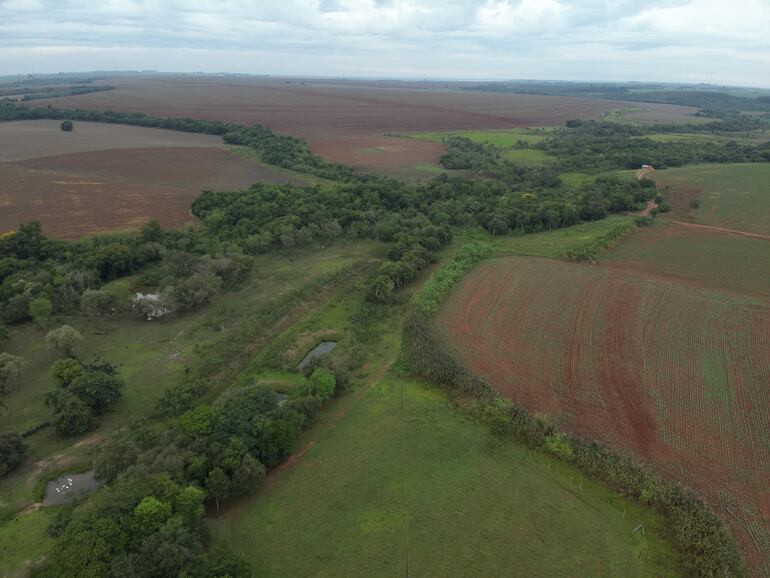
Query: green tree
{"points": [[217, 486], [66, 126], [380, 289], [114, 260], [64, 339], [11, 367], [4, 333], [247, 476], [72, 416], [150, 514], [12, 450], [98, 389], [65, 371], [197, 422], [40, 310], [322, 383], [219, 562], [95, 303], [86, 548]]}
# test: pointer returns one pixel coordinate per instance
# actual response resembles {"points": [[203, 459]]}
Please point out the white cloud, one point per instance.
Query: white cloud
{"points": [[707, 40]]}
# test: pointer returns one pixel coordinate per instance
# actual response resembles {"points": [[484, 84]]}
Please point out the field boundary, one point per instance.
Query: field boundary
{"points": [[701, 537]]}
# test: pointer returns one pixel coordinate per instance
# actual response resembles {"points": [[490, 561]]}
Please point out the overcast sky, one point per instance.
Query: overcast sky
{"points": [[718, 41]]}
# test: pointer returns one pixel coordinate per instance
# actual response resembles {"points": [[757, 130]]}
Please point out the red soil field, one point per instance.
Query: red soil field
{"points": [[676, 375], [340, 120], [90, 192]]}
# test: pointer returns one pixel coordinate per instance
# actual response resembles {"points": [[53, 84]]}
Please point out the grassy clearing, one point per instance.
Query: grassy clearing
{"points": [[735, 196], [555, 244], [151, 355], [401, 473], [500, 138], [576, 179], [526, 156], [24, 539]]}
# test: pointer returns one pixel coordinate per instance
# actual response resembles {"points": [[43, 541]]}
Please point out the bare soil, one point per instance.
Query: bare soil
{"points": [[119, 189], [339, 119]]}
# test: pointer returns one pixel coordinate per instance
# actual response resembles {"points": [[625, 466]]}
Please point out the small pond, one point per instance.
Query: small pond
{"points": [[321, 349], [70, 487]]}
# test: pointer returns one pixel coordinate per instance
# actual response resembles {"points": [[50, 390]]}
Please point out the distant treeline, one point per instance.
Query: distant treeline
{"points": [[41, 92], [713, 100], [700, 536]]}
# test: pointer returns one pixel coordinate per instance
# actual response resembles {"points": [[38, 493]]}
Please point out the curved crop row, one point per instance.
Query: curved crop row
{"points": [[674, 375]]}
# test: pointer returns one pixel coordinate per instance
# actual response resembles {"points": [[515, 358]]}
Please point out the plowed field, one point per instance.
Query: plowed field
{"points": [[348, 122], [675, 374], [104, 177]]}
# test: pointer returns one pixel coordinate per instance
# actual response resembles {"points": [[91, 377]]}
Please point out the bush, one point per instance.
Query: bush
{"points": [[63, 340], [96, 303], [66, 126]]}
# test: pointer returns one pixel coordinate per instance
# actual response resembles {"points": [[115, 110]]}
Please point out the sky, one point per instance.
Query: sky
{"points": [[713, 41]]}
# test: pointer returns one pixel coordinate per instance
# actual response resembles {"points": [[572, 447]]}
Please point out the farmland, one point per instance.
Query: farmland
{"points": [[698, 258], [730, 196], [104, 177], [675, 375], [343, 121]]}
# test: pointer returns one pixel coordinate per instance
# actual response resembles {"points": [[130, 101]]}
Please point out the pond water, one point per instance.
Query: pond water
{"points": [[70, 487], [321, 349]]}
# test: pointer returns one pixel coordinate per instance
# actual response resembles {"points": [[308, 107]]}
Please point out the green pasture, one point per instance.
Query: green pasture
{"points": [[24, 539], [553, 244], [395, 481], [501, 138], [734, 196]]}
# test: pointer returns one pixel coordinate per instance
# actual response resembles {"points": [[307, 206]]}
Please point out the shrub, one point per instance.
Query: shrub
{"points": [[66, 126], [63, 340], [96, 303]]}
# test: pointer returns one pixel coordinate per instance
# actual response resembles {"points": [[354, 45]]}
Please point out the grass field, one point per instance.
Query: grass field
{"points": [[23, 540], [151, 355], [697, 257], [734, 196], [675, 374], [401, 479], [499, 138], [554, 244]]}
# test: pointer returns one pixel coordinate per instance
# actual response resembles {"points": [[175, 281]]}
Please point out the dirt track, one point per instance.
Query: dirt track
{"points": [[723, 230]]}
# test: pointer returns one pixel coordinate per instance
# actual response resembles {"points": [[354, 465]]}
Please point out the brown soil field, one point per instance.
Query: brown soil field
{"points": [[671, 373], [106, 190], [29, 139], [341, 121]]}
